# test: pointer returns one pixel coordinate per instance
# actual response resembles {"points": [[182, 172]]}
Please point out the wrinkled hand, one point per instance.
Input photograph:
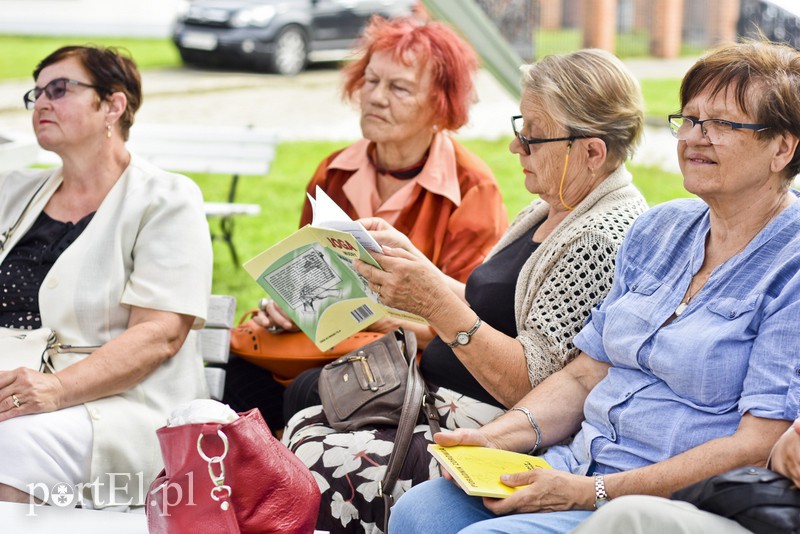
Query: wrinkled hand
{"points": [[36, 392], [461, 436], [547, 490], [405, 282], [271, 316], [386, 234], [786, 454]]}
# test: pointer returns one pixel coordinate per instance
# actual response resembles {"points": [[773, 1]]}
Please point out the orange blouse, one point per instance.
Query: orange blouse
{"points": [[452, 211]]}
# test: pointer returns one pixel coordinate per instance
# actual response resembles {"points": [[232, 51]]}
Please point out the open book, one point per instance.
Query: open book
{"points": [[310, 275], [477, 470]]}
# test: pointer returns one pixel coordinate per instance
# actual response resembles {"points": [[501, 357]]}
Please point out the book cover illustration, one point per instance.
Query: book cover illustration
{"points": [[311, 276], [477, 470]]}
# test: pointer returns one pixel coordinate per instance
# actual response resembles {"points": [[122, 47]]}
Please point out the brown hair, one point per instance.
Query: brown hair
{"points": [[765, 80], [110, 71], [451, 60], [590, 92]]}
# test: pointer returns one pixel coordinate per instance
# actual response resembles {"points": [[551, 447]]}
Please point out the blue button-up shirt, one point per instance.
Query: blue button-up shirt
{"points": [[734, 350]]}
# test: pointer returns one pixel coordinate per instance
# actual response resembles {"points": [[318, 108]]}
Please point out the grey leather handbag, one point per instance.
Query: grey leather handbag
{"points": [[380, 384]]}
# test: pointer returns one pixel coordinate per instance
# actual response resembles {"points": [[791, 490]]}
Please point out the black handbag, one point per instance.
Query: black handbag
{"points": [[380, 384], [758, 499]]}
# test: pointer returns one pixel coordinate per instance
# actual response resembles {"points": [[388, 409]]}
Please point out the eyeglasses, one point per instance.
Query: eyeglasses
{"points": [[54, 90], [716, 131], [526, 142]]}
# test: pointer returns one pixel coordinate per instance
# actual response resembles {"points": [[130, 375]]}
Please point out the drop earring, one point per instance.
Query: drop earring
{"points": [[108, 131]]}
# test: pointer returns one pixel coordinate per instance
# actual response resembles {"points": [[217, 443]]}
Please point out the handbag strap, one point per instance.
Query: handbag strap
{"points": [[417, 397], [732, 501]]}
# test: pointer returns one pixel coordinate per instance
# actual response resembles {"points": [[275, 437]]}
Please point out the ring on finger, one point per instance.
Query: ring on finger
{"points": [[274, 329], [15, 400]]}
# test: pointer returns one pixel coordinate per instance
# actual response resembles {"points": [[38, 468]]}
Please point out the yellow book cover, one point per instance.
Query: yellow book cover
{"points": [[310, 275], [477, 470]]}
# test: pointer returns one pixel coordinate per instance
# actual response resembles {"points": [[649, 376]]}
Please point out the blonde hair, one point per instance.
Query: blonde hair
{"points": [[590, 92]]}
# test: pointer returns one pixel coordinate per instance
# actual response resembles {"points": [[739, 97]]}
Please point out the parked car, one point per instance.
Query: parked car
{"points": [[281, 36]]}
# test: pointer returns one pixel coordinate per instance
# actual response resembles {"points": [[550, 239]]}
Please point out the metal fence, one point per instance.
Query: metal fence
{"points": [[534, 28]]}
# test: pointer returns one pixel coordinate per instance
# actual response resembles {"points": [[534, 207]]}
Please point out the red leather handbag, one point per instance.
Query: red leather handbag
{"points": [[230, 478]]}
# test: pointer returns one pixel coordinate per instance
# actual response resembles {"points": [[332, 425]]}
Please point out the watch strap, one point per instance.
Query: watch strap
{"points": [[600, 495], [456, 343]]}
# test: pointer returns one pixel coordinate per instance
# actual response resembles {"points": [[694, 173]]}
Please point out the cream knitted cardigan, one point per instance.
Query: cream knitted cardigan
{"points": [[570, 272]]}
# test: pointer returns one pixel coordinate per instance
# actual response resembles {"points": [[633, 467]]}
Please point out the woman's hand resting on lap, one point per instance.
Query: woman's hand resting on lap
{"points": [[547, 489], [36, 392]]}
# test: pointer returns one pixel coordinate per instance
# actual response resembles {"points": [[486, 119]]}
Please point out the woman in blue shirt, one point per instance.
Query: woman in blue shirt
{"points": [[690, 367]]}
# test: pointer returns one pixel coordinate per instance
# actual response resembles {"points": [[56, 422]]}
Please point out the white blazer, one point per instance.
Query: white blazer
{"points": [[147, 245]]}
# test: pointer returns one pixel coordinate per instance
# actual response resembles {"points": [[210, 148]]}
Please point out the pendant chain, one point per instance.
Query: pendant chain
{"points": [[685, 302]]}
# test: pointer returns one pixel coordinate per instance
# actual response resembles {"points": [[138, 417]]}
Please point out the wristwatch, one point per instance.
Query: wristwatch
{"points": [[462, 338], [600, 495]]}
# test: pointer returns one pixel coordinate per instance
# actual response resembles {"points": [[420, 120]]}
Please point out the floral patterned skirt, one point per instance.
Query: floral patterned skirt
{"points": [[349, 466]]}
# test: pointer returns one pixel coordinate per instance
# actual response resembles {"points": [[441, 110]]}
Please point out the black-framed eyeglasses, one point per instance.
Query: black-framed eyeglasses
{"points": [[526, 142], [54, 90], [716, 131]]}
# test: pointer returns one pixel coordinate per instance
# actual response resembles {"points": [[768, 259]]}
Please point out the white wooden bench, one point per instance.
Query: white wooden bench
{"points": [[229, 150], [16, 153], [215, 341], [186, 148]]}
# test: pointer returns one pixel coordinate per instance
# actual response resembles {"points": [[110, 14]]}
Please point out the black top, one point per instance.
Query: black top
{"points": [[490, 292], [24, 269]]}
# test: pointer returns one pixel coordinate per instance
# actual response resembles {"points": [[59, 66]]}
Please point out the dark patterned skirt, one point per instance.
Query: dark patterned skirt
{"points": [[349, 466]]}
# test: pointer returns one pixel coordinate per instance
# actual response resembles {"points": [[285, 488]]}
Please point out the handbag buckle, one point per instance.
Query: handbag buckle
{"points": [[217, 479], [360, 357], [224, 505]]}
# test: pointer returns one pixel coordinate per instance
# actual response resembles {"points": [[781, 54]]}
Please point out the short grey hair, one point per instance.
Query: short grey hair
{"points": [[590, 92]]}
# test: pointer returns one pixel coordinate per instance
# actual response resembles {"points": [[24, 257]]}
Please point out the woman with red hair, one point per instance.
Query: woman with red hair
{"points": [[413, 84]]}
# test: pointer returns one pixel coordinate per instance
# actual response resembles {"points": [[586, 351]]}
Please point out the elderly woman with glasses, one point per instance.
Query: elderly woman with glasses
{"points": [[512, 324], [413, 84], [113, 255], [689, 367]]}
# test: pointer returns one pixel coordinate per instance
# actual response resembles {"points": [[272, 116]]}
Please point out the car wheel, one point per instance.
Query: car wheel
{"points": [[289, 55]]}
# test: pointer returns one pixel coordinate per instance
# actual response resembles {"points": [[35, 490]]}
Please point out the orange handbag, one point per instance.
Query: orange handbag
{"points": [[287, 354]]}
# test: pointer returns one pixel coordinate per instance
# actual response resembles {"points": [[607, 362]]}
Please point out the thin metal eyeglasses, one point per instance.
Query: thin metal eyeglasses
{"points": [[526, 142], [716, 131], [54, 90]]}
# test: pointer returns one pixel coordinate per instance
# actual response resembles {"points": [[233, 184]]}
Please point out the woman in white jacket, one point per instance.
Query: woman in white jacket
{"points": [[109, 252]]}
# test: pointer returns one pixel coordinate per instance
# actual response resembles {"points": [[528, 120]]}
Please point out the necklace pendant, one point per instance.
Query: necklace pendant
{"points": [[681, 308]]}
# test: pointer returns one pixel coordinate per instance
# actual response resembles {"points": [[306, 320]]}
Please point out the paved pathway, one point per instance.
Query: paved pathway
{"points": [[308, 106]]}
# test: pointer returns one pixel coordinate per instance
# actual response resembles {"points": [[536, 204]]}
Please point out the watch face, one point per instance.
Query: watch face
{"points": [[462, 338]]}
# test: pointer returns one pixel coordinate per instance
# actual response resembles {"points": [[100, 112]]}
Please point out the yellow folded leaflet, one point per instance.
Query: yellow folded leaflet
{"points": [[477, 470]]}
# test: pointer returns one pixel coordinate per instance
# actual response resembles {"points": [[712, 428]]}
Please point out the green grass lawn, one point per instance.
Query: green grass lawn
{"points": [[282, 192], [27, 51]]}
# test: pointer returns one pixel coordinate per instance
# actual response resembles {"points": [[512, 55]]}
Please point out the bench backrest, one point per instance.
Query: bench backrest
{"points": [[197, 148], [215, 341], [207, 149]]}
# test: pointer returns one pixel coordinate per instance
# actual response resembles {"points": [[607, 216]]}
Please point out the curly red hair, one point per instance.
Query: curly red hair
{"points": [[452, 61]]}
